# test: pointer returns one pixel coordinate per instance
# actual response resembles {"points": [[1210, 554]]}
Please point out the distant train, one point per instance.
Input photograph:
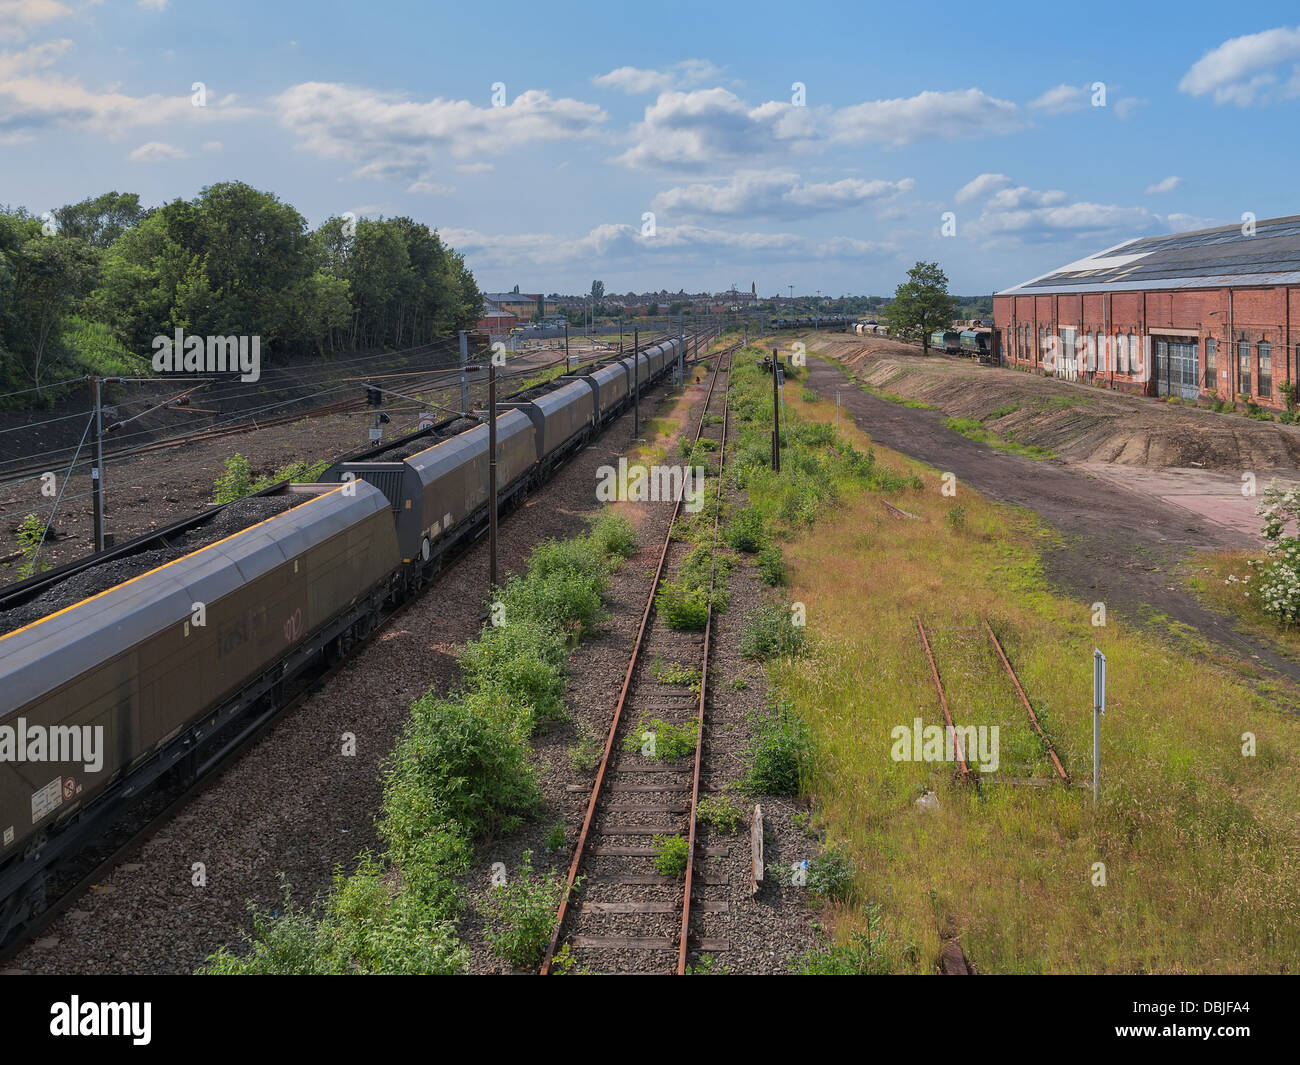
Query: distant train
{"points": [[823, 321], [974, 343], [867, 329]]}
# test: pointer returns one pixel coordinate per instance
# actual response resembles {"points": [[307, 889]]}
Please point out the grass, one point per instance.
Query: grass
{"points": [[1200, 843], [975, 430], [893, 397]]}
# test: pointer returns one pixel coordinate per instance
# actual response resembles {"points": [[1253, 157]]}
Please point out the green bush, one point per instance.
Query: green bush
{"points": [[522, 658], [522, 912], [861, 956], [721, 813], [670, 741], [613, 537], [684, 608], [569, 600], [31, 535], [771, 565], [466, 759], [778, 754], [771, 633], [585, 755], [830, 874], [236, 482], [745, 530], [671, 854], [367, 927]]}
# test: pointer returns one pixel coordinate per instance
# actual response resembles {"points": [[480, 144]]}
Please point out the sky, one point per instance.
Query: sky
{"points": [[676, 145]]}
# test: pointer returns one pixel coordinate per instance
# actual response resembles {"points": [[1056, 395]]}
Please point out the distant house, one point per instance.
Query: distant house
{"points": [[523, 305], [498, 323]]}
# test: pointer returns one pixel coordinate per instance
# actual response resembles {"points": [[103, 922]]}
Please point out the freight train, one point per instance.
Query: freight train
{"points": [[154, 675], [867, 329], [975, 343]]}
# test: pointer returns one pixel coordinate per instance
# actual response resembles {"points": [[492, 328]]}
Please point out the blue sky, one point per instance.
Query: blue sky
{"points": [[687, 111]]}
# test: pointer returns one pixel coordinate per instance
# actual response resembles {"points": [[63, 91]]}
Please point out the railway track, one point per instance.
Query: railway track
{"points": [[142, 814], [963, 769], [444, 381], [618, 913]]}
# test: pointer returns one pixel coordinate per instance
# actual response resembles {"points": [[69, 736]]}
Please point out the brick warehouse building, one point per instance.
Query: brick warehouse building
{"points": [[1211, 313]]}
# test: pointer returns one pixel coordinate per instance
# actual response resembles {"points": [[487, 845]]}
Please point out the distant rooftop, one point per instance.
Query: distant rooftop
{"points": [[1203, 258]]}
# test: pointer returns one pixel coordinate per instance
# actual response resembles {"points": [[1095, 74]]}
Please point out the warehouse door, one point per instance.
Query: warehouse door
{"points": [[1069, 368], [1176, 368]]}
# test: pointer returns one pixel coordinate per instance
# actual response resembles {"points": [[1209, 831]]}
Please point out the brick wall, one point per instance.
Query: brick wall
{"points": [[1025, 326]]}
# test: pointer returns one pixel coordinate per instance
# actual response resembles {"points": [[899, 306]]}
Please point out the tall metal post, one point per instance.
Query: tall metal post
{"points": [[568, 366], [464, 373], [1098, 708], [636, 386], [776, 417], [97, 471], [681, 348], [492, 474]]}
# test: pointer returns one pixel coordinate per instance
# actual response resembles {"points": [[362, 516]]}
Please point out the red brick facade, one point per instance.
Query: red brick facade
{"points": [[1108, 338]]}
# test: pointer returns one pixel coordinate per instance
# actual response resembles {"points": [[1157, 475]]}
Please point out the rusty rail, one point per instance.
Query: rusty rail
{"points": [[964, 770], [598, 785], [1033, 718], [704, 678]]}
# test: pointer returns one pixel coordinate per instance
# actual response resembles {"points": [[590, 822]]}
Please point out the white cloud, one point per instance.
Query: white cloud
{"points": [[1061, 222], [1127, 105], [1023, 196], [156, 152], [1061, 99], [636, 81], [1238, 71], [775, 194], [345, 122], [1164, 185], [212, 146], [1182, 223], [692, 130], [475, 168], [979, 187], [950, 115], [430, 188], [1018, 213], [18, 18], [32, 98], [153, 5], [611, 244]]}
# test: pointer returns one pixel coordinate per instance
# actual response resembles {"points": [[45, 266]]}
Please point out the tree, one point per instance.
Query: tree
{"points": [[921, 303], [597, 291], [43, 280], [101, 220]]}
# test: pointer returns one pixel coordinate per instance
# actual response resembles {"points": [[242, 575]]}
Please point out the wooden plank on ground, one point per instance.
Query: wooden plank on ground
{"points": [[756, 850]]}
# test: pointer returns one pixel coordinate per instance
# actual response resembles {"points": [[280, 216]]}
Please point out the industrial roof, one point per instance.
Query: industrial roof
{"points": [[1203, 258]]}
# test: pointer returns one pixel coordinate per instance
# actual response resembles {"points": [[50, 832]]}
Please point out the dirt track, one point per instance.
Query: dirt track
{"points": [[1120, 547]]}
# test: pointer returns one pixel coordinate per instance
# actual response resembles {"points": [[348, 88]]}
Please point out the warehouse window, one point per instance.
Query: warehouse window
{"points": [[1211, 381], [1265, 369], [1121, 353], [1089, 351], [1243, 368]]}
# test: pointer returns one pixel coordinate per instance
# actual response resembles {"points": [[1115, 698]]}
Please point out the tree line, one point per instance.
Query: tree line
{"points": [[86, 288]]}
